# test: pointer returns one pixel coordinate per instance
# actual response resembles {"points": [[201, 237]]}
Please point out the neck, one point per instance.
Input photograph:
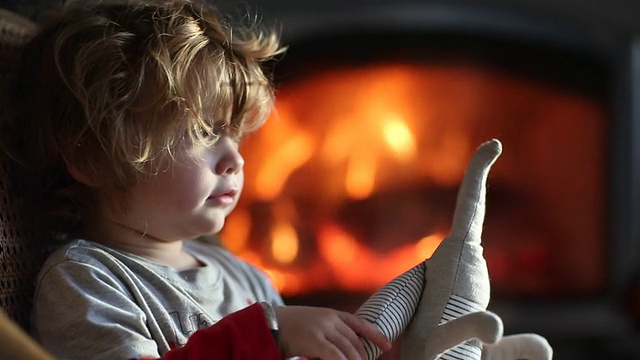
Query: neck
{"points": [[124, 238]]}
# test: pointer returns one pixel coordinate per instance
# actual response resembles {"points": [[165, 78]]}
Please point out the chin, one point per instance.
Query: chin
{"points": [[210, 222], [215, 227]]}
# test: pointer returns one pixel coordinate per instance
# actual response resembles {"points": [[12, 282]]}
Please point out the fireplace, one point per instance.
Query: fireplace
{"points": [[362, 160], [353, 179]]}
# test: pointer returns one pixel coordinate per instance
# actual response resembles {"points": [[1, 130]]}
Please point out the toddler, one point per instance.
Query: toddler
{"points": [[128, 121]]}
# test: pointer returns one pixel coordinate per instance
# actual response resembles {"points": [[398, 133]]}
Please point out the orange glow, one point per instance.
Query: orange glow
{"points": [[237, 229], [287, 157], [399, 138], [360, 176], [428, 245], [343, 179], [345, 263], [352, 263], [284, 243]]}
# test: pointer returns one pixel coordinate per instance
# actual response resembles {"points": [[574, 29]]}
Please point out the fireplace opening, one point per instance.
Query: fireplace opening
{"points": [[353, 179]]}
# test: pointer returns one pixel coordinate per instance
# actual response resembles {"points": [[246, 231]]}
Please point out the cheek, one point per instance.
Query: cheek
{"points": [[241, 180], [172, 192], [185, 193]]}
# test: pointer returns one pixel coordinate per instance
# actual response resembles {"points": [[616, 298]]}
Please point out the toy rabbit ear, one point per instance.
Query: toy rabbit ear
{"points": [[457, 277], [453, 282], [468, 218]]}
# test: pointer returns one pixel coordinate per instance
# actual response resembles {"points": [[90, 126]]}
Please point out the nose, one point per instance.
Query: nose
{"points": [[230, 161]]}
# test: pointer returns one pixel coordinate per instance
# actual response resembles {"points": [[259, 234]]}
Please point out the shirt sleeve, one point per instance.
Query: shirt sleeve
{"points": [[81, 311]]}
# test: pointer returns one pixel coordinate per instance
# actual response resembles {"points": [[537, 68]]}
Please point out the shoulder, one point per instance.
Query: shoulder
{"points": [[82, 260], [80, 251]]}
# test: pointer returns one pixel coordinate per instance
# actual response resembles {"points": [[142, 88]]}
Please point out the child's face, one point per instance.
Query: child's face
{"points": [[190, 196]]}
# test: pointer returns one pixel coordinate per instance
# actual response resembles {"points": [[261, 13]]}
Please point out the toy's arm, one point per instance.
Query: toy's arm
{"points": [[482, 325], [520, 346]]}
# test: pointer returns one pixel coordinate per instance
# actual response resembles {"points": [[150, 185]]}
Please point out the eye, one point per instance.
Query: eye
{"points": [[209, 135], [220, 129]]}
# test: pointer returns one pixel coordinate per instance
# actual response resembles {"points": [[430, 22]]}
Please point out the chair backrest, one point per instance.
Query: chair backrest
{"points": [[22, 249]]}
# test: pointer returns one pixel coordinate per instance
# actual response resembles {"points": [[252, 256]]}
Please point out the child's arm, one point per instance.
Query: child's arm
{"points": [[317, 333], [244, 335]]}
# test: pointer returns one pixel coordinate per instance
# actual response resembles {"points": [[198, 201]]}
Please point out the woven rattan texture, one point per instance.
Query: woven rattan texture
{"points": [[22, 251], [22, 248]]}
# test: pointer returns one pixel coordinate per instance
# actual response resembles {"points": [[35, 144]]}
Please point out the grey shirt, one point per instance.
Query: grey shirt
{"points": [[94, 302]]}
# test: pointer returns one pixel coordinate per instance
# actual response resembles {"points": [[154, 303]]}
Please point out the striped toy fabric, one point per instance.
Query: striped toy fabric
{"points": [[456, 307], [393, 306]]}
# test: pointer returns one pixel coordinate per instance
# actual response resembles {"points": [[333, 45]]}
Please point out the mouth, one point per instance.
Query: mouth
{"points": [[227, 197]]}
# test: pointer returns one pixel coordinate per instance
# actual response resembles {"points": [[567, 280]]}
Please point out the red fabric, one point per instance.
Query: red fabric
{"points": [[243, 335]]}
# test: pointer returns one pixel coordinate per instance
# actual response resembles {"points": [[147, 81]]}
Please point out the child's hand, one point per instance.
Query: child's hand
{"points": [[325, 333]]}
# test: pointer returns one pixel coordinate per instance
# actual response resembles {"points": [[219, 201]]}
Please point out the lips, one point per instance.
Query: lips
{"points": [[223, 197]]}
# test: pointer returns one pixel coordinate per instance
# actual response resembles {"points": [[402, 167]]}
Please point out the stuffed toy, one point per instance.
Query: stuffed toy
{"points": [[439, 306]]}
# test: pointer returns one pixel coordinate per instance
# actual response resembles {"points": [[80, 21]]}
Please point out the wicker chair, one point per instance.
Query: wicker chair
{"points": [[21, 248]]}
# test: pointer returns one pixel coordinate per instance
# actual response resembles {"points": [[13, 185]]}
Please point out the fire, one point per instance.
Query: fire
{"points": [[360, 175], [359, 143], [399, 137], [286, 157], [343, 146], [284, 243], [342, 262], [352, 263]]}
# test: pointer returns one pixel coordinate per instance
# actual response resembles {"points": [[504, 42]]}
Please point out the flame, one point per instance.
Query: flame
{"points": [[342, 252], [284, 243], [357, 141], [342, 137], [399, 137], [288, 157], [345, 263], [360, 176]]}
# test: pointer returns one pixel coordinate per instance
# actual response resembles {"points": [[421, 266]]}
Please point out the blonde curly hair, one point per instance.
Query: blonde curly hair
{"points": [[110, 89]]}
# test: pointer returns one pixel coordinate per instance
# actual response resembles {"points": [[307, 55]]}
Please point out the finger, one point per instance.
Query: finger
{"points": [[367, 330], [329, 351], [345, 344], [352, 338]]}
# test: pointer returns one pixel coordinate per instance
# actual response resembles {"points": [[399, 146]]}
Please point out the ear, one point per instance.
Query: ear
{"points": [[79, 176]]}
